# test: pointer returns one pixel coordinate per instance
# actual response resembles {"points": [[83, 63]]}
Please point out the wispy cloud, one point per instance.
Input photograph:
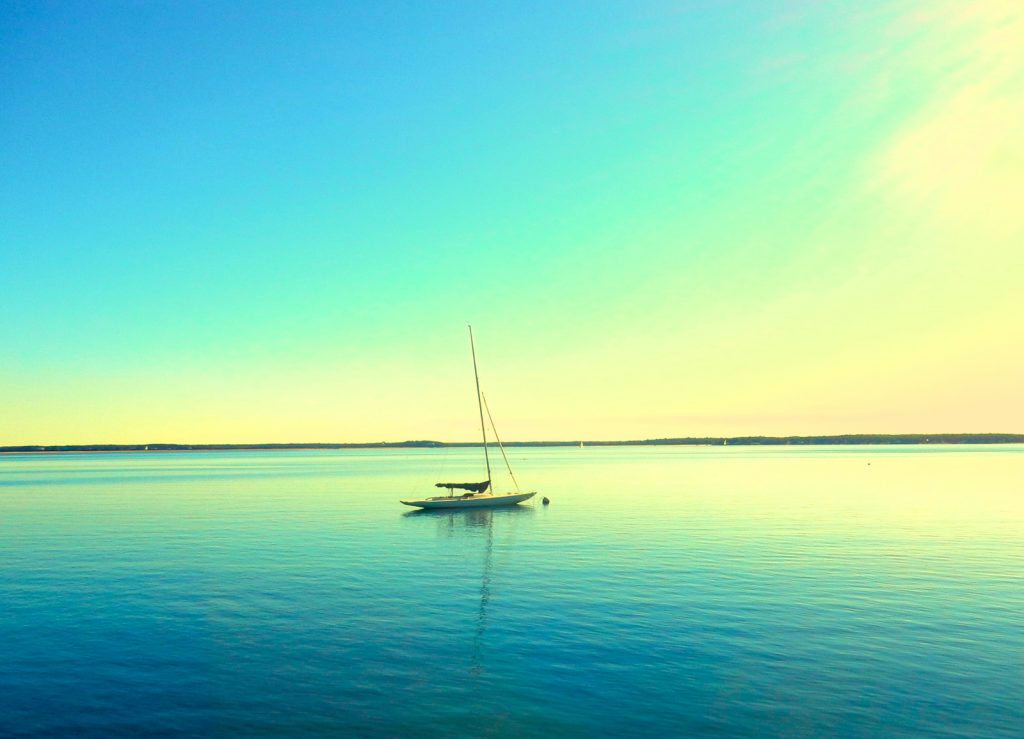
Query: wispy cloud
{"points": [[960, 157]]}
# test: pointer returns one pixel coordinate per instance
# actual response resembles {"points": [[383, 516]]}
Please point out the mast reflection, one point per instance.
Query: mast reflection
{"points": [[475, 522]]}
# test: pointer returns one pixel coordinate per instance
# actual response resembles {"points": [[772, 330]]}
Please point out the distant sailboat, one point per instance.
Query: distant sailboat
{"points": [[477, 495]]}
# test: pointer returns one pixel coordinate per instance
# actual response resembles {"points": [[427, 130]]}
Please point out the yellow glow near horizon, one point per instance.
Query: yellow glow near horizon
{"points": [[852, 267]]}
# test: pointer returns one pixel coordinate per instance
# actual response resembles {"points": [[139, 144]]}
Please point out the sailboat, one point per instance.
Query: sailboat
{"points": [[478, 494]]}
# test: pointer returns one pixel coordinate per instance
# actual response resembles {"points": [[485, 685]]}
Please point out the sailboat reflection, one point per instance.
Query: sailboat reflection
{"points": [[475, 522]]}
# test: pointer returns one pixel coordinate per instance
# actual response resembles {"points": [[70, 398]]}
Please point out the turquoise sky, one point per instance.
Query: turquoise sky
{"points": [[271, 222]]}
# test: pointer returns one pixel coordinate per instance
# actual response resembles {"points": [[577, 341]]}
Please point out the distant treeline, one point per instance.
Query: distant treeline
{"points": [[840, 439], [686, 441]]}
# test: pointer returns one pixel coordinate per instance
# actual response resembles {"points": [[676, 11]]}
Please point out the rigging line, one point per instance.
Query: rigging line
{"points": [[495, 430], [483, 429], [441, 467], [433, 470]]}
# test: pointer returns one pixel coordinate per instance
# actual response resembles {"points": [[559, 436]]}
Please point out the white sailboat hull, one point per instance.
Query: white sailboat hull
{"points": [[480, 500]]}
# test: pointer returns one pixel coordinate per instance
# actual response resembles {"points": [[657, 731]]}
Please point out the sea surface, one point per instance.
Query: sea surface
{"points": [[666, 591]]}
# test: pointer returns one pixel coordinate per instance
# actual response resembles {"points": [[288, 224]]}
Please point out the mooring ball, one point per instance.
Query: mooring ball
{"points": [[546, 501]]}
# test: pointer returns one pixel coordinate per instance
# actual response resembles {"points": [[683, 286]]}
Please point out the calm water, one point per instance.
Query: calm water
{"points": [[672, 591]]}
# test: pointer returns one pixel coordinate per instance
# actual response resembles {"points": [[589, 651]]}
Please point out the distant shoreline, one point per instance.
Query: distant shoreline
{"points": [[848, 439]]}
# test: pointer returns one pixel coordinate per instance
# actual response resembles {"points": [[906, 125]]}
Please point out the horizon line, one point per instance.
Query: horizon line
{"points": [[745, 440]]}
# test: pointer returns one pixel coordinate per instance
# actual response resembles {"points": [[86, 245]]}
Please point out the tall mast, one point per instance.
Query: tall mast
{"points": [[480, 405]]}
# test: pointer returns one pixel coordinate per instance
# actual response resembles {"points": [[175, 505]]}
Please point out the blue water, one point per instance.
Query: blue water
{"points": [[665, 591]]}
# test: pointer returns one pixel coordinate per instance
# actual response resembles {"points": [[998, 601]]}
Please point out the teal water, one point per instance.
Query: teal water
{"points": [[858, 591]]}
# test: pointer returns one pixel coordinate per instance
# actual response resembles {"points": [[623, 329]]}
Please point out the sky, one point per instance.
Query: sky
{"points": [[272, 222]]}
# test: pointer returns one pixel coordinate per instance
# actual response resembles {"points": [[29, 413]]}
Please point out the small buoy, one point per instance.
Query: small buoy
{"points": [[545, 501]]}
